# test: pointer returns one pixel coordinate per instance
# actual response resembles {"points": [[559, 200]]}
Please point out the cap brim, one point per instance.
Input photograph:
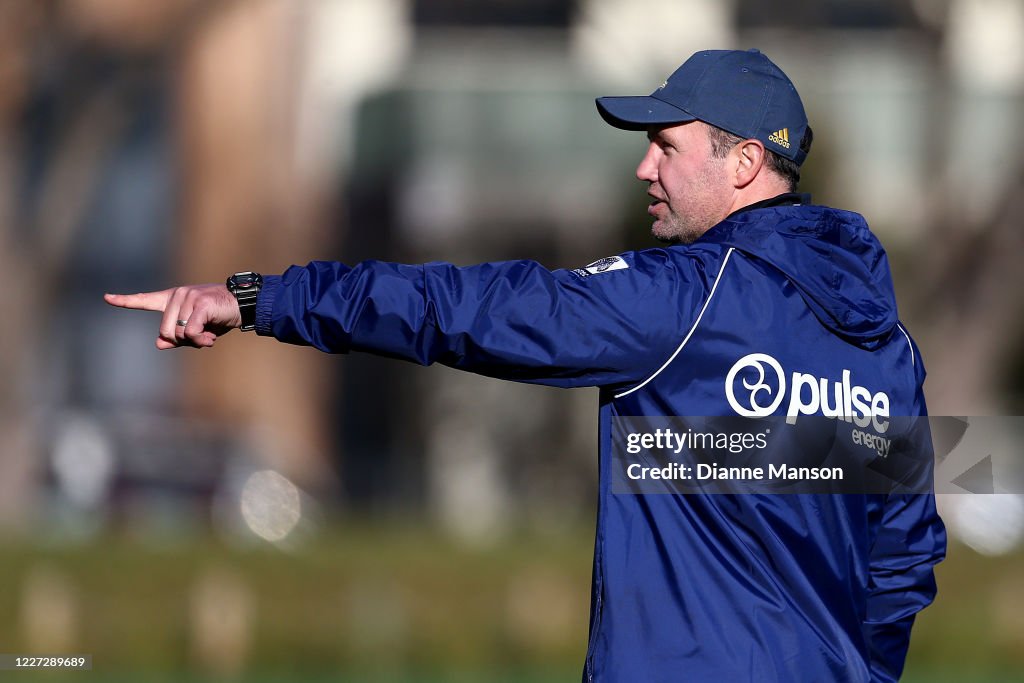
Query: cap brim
{"points": [[637, 113]]}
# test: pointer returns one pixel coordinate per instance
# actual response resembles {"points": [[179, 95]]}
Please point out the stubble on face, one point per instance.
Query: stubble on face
{"points": [[692, 200], [688, 217]]}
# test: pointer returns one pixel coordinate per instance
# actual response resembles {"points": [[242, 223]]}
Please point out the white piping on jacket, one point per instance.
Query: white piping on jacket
{"points": [[689, 334], [913, 361]]}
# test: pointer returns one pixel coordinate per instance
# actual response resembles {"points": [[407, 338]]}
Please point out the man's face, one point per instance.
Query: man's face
{"points": [[689, 188]]}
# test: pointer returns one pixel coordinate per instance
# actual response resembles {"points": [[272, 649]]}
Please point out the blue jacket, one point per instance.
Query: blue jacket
{"points": [[805, 587]]}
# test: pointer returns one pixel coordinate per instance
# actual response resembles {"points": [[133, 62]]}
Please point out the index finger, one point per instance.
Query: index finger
{"points": [[145, 301]]}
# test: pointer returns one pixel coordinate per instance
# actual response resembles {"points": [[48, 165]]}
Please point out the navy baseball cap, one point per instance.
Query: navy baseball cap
{"points": [[742, 92]]}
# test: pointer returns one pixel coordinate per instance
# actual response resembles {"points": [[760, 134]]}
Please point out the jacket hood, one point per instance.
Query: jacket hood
{"points": [[831, 257]]}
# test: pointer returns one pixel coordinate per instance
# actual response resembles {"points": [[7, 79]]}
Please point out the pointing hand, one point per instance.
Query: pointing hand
{"points": [[194, 315]]}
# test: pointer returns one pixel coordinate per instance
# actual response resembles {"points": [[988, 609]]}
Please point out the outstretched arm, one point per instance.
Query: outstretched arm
{"points": [[195, 315], [610, 323]]}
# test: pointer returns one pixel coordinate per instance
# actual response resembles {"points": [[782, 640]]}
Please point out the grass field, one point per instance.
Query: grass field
{"points": [[393, 604]]}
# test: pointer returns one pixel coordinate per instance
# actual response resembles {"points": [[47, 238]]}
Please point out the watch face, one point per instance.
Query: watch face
{"points": [[244, 281]]}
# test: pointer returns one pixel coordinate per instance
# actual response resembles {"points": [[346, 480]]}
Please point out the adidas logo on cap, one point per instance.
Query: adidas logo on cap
{"points": [[780, 137]]}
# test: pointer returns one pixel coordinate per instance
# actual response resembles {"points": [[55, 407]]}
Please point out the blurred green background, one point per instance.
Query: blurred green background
{"points": [[398, 603]]}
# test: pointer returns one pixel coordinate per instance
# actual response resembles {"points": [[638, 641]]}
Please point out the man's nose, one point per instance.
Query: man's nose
{"points": [[647, 170]]}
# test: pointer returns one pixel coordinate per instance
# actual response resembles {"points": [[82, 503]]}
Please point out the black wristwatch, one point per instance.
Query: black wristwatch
{"points": [[246, 288]]}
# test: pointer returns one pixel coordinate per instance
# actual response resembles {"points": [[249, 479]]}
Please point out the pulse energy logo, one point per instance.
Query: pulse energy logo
{"points": [[766, 381]]}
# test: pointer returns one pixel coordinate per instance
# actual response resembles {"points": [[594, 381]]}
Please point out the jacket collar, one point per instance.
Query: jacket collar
{"points": [[785, 199]]}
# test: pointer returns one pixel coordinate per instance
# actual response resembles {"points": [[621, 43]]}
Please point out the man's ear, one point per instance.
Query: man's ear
{"points": [[748, 158]]}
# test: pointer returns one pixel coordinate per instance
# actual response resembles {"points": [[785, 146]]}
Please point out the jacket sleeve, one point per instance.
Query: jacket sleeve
{"points": [[910, 542], [513, 320]]}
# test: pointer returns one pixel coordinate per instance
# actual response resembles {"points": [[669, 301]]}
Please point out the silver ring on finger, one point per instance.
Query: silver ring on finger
{"points": [[182, 323]]}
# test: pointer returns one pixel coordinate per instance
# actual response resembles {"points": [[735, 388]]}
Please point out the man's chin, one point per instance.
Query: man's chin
{"points": [[662, 233], [664, 236], [673, 233]]}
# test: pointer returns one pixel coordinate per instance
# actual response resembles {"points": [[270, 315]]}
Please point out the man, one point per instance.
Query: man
{"points": [[685, 587]]}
